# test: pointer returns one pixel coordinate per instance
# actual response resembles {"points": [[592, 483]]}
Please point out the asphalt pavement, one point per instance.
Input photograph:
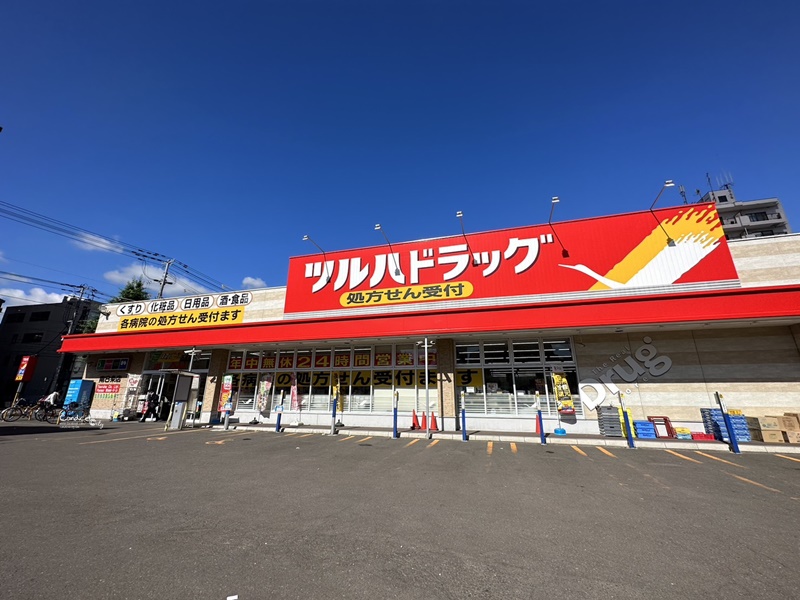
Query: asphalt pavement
{"points": [[132, 511]]}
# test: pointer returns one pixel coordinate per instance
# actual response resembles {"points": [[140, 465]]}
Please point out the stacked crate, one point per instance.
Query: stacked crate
{"points": [[645, 430], [608, 418], [683, 433], [714, 423]]}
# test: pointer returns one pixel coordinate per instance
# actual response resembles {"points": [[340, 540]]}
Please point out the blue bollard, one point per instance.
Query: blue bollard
{"points": [[278, 423], [628, 430], [464, 436], [731, 433], [395, 435], [540, 423]]}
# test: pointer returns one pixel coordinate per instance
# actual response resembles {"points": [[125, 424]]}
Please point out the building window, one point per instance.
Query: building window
{"points": [[40, 316], [557, 351], [15, 338], [32, 337], [759, 216], [526, 352], [722, 198], [495, 353], [17, 317], [468, 354]]}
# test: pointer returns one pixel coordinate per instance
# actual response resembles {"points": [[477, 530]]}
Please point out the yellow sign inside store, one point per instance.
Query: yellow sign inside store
{"points": [[182, 320], [455, 290]]}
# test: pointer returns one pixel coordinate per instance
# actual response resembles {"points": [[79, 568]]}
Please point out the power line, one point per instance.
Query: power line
{"points": [[99, 241]]}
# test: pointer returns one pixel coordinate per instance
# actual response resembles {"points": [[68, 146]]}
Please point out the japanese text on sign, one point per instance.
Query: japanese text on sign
{"points": [[417, 293], [197, 318], [352, 274]]}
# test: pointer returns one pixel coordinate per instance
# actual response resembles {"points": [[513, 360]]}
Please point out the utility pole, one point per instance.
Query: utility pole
{"points": [[70, 330], [163, 281]]}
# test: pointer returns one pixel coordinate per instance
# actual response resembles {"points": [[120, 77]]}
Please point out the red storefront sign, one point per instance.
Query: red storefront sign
{"points": [[26, 368], [623, 253]]}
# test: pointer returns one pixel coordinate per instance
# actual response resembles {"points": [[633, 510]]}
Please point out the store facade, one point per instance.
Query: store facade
{"points": [[656, 308]]}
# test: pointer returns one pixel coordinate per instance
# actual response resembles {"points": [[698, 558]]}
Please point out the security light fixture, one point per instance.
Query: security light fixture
{"points": [[667, 183]]}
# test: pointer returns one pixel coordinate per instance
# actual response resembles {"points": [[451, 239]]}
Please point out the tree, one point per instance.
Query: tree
{"points": [[133, 290]]}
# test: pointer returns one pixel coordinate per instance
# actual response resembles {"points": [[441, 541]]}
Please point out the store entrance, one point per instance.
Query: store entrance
{"points": [[165, 385]]}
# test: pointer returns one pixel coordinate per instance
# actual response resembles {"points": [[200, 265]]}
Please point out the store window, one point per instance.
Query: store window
{"points": [[499, 392], [515, 384], [526, 352], [468, 354], [320, 396], [557, 351], [247, 391], [495, 353]]}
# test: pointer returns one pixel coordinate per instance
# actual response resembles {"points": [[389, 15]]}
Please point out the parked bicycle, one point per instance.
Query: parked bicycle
{"points": [[75, 412], [20, 408]]}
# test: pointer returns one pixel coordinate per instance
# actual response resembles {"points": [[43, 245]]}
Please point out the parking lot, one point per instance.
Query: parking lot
{"points": [[132, 511]]}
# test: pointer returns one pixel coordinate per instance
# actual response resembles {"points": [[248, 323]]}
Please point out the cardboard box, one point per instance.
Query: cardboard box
{"points": [[755, 435], [764, 423], [787, 423], [796, 417], [792, 437], [772, 437]]}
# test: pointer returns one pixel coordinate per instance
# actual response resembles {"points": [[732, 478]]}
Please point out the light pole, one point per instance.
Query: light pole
{"points": [[391, 250], [555, 200], [192, 353], [307, 238], [426, 345], [460, 217], [667, 183]]}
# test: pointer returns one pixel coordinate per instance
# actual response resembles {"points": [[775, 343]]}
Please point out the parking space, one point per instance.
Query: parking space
{"points": [[210, 513]]}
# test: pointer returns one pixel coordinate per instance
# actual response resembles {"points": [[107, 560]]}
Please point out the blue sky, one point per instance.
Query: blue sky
{"points": [[220, 133]]}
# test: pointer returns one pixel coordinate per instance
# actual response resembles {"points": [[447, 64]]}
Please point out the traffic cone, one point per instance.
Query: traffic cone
{"points": [[434, 426], [414, 420], [424, 422]]}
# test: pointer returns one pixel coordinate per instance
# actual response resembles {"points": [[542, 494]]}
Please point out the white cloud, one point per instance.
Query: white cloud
{"points": [[2, 258], [179, 287], [251, 283], [92, 242], [36, 295]]}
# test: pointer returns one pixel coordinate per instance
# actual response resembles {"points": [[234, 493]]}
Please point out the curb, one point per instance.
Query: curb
{"points": [[714, 446]]}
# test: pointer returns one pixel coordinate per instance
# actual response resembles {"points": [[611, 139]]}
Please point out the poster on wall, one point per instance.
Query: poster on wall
{"points": [[564, 401], [132, 393], [225, 404]]}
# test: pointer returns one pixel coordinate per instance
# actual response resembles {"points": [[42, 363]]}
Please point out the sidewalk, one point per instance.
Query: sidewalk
{"points": [[524, 438]]}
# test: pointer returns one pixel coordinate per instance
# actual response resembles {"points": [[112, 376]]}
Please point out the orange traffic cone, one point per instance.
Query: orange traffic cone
{"points": [[424, 422], [414, 420], [434, 426]]}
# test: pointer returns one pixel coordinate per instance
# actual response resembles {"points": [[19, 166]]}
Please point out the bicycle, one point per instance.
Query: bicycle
{"points": [[78, 413], [20, 408], [46, 412]]}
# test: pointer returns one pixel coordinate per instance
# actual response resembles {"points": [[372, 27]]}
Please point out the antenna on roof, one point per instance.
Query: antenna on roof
{"points": [[711, 189], [683, 193], [728, 179]]}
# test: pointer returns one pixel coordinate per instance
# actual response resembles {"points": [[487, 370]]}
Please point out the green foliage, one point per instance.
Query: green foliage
{"points": [[133, 290]]}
